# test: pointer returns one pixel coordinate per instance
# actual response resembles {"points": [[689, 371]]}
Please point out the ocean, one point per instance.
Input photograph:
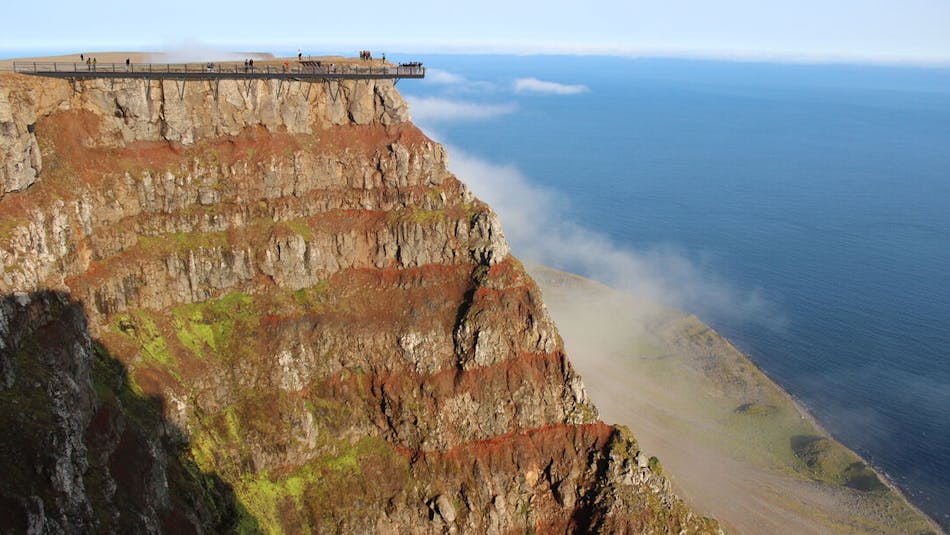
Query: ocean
{"points": [[801, 210]]}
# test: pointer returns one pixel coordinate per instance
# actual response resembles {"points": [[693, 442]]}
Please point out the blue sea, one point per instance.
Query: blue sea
{"points": [[815, 198]]}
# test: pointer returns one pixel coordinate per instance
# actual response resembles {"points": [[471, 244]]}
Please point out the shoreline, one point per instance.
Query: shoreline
{"points": [[665, 374], [813, 420]]}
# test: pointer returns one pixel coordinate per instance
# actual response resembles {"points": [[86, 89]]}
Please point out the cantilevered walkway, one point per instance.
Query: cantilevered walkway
{"points": [[270, 70]]}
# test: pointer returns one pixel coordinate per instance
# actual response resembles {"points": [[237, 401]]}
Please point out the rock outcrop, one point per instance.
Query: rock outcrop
{"points": [[19, 150], [268, 306]]}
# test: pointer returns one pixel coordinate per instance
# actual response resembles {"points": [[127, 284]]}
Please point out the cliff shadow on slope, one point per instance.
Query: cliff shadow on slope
{"points": [[82, 448]]}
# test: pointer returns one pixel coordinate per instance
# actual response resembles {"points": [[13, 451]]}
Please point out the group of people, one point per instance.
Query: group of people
{"points": [[91, 62], [249, 65], [366, 55]]}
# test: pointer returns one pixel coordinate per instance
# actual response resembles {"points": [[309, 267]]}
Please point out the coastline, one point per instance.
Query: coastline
{"points": [[737, 445]]}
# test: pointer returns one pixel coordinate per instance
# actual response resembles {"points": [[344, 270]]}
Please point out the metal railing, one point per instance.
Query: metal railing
{"points": [[215, 70]]}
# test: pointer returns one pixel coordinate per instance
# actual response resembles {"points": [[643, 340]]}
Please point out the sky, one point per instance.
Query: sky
{"points": [[803, 30]]}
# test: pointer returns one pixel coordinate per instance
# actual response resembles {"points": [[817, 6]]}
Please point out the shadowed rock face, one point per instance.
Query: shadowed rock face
{"points": [[81, 450], [280, 313]]}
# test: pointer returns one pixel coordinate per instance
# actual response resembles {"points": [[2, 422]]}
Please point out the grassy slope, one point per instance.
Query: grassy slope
{"points": [[735, 444]]}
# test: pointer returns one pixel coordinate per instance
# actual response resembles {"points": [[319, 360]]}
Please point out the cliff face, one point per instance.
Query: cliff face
{"points": [[269, 306]]}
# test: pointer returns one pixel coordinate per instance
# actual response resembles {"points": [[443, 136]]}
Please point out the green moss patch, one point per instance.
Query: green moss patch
{"points": [[208, 327], [327, 491], [417, 215], [312, 297], [141, 328], [301, 227], [330, 490], [830, 462], [655, 466]]}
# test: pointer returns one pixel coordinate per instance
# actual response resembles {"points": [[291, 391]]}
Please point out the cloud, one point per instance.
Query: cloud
{"points": [[533, 85], [438, 76], [436, 109], [456, 83], [534, 223]]}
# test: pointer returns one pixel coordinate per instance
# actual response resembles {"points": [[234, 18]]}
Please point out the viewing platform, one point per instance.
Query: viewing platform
{"points": [[265, 70]]}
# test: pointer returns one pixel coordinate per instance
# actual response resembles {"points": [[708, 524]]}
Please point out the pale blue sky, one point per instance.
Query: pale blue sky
{"points": [[873, 30]]}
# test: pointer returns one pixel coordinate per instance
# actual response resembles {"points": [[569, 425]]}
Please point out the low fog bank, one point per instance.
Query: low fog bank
{"points": [[195, 51], [533, 221], [436, 109]]}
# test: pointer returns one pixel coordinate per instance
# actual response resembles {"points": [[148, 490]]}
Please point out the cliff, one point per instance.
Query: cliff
{"points": [[270, 307]]}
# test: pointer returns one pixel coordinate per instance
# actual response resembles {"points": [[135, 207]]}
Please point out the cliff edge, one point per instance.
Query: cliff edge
{"points": [[270, 307]]}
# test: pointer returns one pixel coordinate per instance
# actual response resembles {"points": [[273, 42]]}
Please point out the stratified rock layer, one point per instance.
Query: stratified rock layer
{"points": [[273, 308]]}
